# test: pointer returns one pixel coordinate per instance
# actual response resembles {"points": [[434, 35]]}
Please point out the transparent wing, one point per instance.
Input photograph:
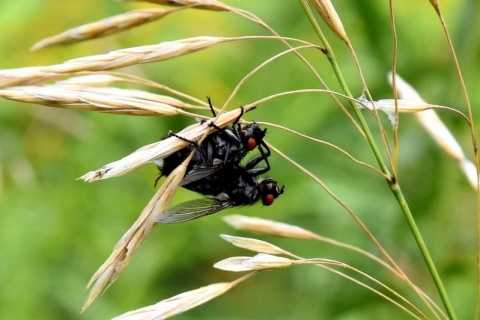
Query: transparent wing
{"points": [[199, 173], [190, 210]]}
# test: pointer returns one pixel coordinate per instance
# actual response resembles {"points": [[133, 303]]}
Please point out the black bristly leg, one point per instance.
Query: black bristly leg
{"points": [[228, 133], [211, 106], [266, 153], [236, 127], [156, 180], [215, 114], [211, 124], [172, 134], [193, 143], [240, 115], [256, 160], [224, 131]]}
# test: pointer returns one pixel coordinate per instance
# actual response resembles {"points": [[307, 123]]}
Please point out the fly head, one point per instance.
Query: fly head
{"points": [[269, 190]]}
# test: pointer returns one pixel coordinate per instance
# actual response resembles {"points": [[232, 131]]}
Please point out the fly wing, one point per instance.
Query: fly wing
{"points": [[195, 174], [199, 173], [190, 210]]}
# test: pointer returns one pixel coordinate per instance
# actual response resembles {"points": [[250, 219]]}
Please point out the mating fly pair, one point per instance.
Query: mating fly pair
{"points": [[215, 171]]}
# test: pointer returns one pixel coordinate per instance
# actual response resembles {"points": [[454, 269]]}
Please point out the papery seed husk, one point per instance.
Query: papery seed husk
{"points": [[130, 242], [253, 244], [331, 18], [103, 27], [107, 100], [233, 264], [178, 304], [259, 262], [265, 226]]}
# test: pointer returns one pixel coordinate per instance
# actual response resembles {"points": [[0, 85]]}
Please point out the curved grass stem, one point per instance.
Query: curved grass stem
{"points": [[392, 181], [336, 69], [395, 187]]}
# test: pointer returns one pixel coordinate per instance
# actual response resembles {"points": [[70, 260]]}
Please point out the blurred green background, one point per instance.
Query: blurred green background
{"points": [[55, 231]]}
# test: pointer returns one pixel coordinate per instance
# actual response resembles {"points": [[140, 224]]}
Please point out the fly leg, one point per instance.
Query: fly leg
{"points": [[230, 134], [250, 167], [194, 144], [181, 155]]}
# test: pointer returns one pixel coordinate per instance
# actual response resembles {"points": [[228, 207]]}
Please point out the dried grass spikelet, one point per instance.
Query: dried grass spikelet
{"points": [[26, 76], [390, 108], [178, 304], [264, 261], [112, 78], [95, 79], [331, 18], [254, 245], [108, 100], [259, 262], [264, 226], [388, 105], [437, 130], [160, 149], [112, 60], [104, 27], [20, 76], [135, 236], [136, 55], [200, 4]]}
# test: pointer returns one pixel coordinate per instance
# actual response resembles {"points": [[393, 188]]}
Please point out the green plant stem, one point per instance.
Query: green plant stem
{"points": [[395, 187], [331, 58], [392, 181]]}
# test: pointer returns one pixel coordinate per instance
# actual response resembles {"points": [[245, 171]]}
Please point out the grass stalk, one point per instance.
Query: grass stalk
{"points": [[458, 70], [392, 180], [423, 249]]}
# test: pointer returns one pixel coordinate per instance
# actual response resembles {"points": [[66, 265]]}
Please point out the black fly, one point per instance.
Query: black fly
{"points": [[230, 186], [225, 147], [215, 171]]}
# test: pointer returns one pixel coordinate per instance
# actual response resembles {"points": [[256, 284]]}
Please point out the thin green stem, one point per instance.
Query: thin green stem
{"points": [[391, 180], [331, 58], [395, 187], [474, 144]]}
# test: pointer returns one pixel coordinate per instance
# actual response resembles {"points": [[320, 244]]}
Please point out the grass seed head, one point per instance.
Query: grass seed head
{"points": [[161, 149], [259, 262], [436, 128], [331, 18], [107, 100], [103, 27], [178, 304], [136, 55], [112, 60], [131, 241], [253, 244], [265, 226]]}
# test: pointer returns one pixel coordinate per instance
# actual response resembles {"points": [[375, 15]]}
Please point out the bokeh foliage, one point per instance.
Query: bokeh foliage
{"points": [[55, 231]]}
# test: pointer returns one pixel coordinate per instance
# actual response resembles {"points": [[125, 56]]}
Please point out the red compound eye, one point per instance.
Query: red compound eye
{"points": [[251, 144], [268, 199]]}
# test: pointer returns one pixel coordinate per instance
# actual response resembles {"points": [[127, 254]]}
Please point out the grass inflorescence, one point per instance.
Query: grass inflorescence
{"points": [[95, 83]]}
